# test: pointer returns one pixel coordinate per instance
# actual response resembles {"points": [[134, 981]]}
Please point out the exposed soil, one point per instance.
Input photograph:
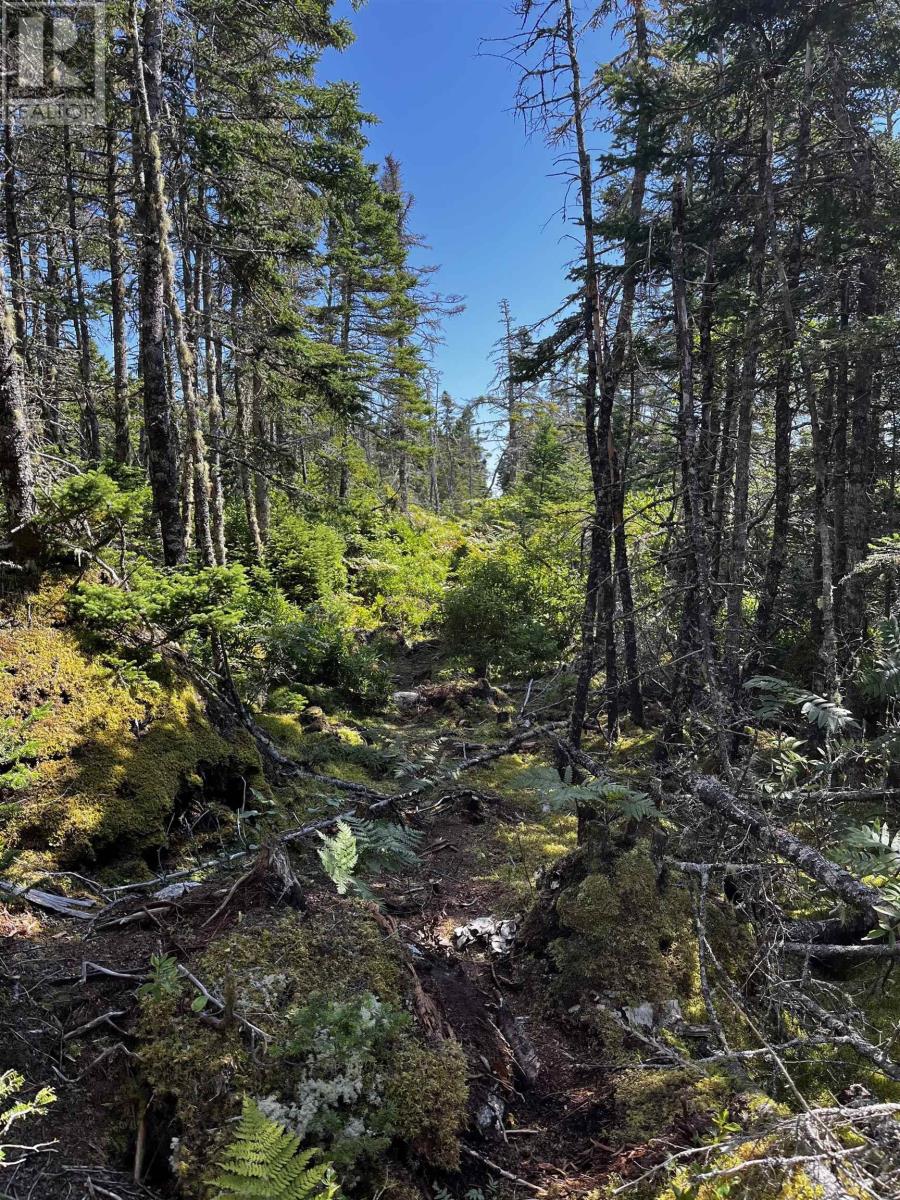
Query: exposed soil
{"points": [[539, 1104]]}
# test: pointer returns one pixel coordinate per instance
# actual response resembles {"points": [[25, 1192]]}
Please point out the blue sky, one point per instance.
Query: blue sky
{"points": [[485, 202]]}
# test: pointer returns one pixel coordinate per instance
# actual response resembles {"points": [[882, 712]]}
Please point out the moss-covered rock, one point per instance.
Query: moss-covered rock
{"points": [[343, 1063], [115, 764], [623, 932]]}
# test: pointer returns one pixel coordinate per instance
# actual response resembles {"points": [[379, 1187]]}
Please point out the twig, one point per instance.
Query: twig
{"points": [[492, 1166], [105, 1019]]}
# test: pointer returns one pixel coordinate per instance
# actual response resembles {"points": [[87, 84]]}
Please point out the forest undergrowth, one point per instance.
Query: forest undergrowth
{"points": [[406, 796]]}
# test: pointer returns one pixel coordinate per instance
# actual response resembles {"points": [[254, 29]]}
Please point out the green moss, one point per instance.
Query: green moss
{"points": [[752, 1183], [284, 970], [648, 1102], [517, 849], [621, 933], [428, 1093], [113, 763], [340, 751]]}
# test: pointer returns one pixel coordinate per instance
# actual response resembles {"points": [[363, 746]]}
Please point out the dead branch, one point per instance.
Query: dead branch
{"points": [[720, 800]]}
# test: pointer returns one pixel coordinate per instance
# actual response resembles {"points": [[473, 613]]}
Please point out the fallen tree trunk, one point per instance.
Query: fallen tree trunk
{"points": [[716, 796]]}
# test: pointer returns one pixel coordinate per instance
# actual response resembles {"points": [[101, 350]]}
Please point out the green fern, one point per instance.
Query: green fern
{"points": [[820, 711], [872, 850], [879, 675], [340, 855], [384, 843], [265, 1162]]}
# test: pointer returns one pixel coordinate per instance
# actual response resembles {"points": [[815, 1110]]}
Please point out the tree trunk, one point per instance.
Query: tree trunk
{"points": [[91, 423], [50, 410], [115, 232], [13, 239], [261, 439], [16, 468], [600, 573], [159, 423], [697, 595], [740, 528], [161, 224], [216, 416]]}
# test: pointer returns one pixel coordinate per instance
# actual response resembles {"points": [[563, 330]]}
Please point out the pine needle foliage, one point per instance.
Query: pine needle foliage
{"points": [[265, 1162]]}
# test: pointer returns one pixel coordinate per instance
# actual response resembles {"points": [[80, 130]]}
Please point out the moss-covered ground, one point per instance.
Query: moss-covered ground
{"points": [[367, 1028]]}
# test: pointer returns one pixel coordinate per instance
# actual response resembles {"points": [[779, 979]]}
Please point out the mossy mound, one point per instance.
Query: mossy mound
{"points": [[625, 933], [650, 1102], [113, 766], [615, 925], [343, 1062]]}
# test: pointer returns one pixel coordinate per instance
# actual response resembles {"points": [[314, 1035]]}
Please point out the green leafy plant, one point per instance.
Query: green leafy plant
{"points": [[13, 1110], [605, 796], [87, 511], [17, 747], [825, 714], [163, 606], [364, 845], [879, 673], [507, 609], [724, 1125], [384, 844], [265, 1162], [306, 558], [339, 854], [164, 981]]}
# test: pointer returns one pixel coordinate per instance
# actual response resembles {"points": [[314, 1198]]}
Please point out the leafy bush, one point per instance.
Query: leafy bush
{"points": [[87, 511], [280, 647], [400, 572], [306, 558], [17, 748], [165, 605], [507, 610]]}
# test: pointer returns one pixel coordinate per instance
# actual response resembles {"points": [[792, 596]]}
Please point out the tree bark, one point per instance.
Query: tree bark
{"points": [[161, 224], [216, 416], [115, 231], [716, 796], [697, 597], [159, 423], [90, 420], [740, 528], [16, 467]]}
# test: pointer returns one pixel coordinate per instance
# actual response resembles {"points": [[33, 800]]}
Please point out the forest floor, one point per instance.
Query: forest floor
{"points": [[539, 1104]]}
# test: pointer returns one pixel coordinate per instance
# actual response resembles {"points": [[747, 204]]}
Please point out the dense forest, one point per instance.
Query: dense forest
{"points": [[422, 797]]}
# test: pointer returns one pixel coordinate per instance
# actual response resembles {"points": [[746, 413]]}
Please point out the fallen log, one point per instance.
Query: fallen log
{"points": [[717, 797], [84, 910], [820, 950]]}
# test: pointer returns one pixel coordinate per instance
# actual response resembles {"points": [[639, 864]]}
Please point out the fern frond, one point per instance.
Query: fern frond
{"points": [[265, 1162], [389, 843], [872, 849], [339, 856], [820, 711]]}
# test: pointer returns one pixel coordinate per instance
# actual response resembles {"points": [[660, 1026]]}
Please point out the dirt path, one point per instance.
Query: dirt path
{"points": [[539, 1103]]}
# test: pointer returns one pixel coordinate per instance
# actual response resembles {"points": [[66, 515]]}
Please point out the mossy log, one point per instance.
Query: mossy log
{"points": [[716, 796]]}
